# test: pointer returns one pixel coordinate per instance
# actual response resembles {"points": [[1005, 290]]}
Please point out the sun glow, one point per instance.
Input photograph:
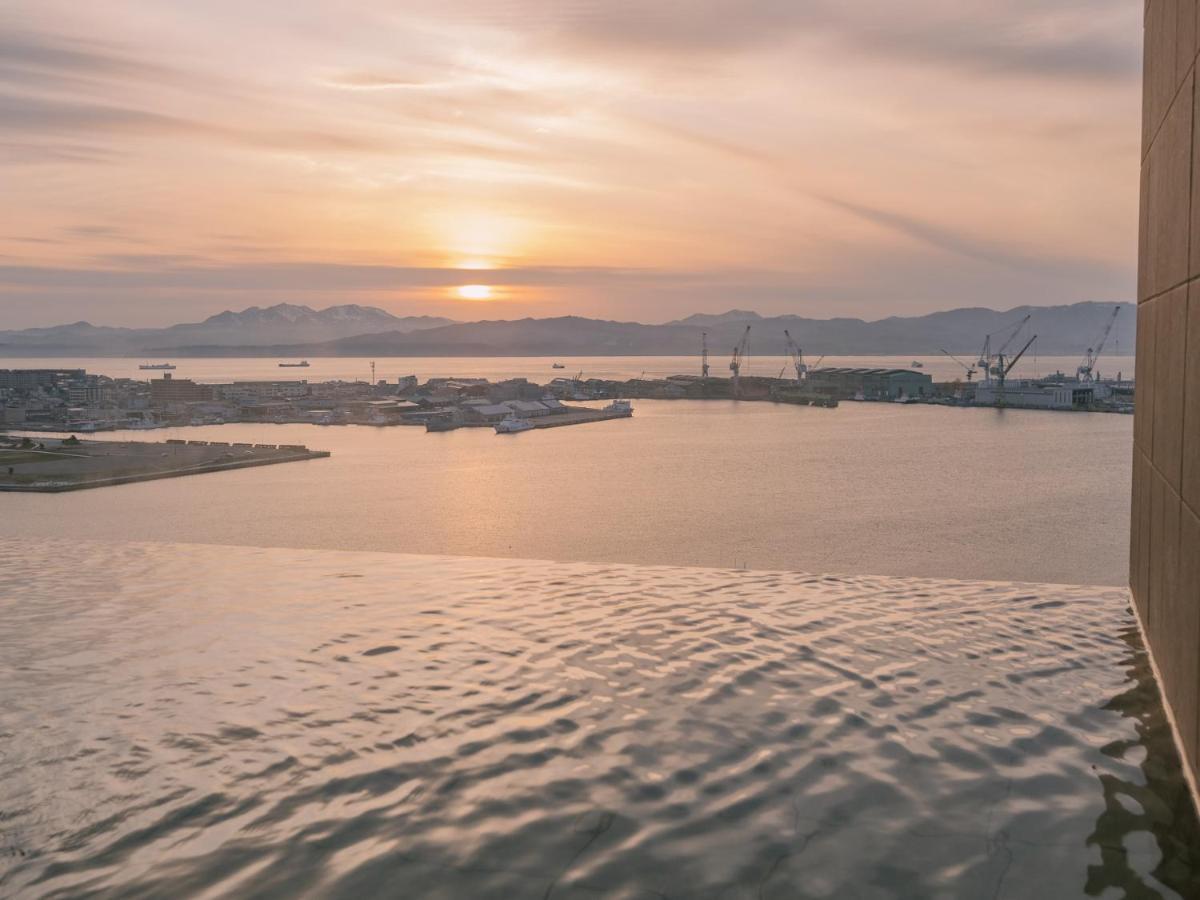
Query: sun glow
{"points": [[474, 292]]}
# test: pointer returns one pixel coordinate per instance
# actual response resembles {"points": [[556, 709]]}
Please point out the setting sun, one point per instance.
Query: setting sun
{"points": [[474, 292]]}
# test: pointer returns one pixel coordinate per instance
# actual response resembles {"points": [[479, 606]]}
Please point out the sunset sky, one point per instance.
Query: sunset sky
{"points": [[162, 161]]}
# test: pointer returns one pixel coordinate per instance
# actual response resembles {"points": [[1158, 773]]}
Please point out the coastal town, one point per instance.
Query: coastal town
{"points": [[71, 399]]}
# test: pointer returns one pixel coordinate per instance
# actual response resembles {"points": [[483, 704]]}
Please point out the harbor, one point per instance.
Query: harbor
{"points": [[68, 464]]}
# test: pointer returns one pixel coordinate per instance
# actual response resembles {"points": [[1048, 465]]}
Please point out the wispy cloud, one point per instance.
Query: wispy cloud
{"points": [[600, 155]]}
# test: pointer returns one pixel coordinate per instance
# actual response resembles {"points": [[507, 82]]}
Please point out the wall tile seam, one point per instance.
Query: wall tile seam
{"points": [[1158, 294], [1166, 114], [1183, 375], [1191, 209], [1189, 767], [1167, 483]]}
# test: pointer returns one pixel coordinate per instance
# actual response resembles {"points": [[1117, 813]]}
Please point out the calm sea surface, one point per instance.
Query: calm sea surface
{"points": [[865, 488], [198, 721], [536, 368]]}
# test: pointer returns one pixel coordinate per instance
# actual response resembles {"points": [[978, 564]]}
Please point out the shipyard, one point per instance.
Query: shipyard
{"points": [[72, 399]]}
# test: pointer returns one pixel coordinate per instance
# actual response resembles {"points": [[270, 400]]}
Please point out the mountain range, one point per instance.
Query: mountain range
{"points": [[282, 323], [297, 331]]}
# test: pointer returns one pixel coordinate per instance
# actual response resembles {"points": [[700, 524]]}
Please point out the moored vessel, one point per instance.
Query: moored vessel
{"points": [[512, 425]]}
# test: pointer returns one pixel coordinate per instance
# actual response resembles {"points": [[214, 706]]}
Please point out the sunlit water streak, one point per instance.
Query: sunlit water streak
{"points": [[186, 720], [868, 487]]}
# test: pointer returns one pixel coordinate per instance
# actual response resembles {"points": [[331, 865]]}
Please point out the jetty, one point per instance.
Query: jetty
{"points": [[51, 466]]}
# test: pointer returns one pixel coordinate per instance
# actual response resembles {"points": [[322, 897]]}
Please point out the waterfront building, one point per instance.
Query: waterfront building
{"points": [[1034, 395], [168, 389], [527, 408], [29, 379], [487, 412], [266, 390], [872, 384]]}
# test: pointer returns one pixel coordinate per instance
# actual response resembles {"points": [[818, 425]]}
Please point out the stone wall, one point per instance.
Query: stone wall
{"points": [[1165, 537]]}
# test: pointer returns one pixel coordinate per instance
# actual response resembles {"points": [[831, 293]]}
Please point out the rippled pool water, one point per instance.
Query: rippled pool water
{"points": [[186, 720]]}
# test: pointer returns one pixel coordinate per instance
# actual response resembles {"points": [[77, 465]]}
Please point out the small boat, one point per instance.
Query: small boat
{"points": [[917, 365], [619, 408], [303, 364], [558, 366], [512, 425], [156, 367]]}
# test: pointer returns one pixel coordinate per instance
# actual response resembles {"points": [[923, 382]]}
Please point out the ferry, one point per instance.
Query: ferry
{"points": [[619, 408], [156, 367], [303, 364], [917, 365], [558, 366], [512, 425]]}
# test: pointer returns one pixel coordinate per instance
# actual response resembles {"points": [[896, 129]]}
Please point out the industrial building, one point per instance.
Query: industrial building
{"points": [[870, 384], [1067, 395]]}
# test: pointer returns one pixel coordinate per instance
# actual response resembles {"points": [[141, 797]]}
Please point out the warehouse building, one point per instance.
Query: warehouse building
{"points": [[846, 383]]}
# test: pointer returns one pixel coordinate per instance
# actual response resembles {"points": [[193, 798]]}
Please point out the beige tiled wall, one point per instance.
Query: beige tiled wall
{"points": [[1165, 537]]}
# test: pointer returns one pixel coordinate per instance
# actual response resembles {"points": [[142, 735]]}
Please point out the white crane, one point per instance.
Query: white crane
{"points": [[735, 364], [994, 364], [797, 356], [1085, 371], [970, 369], [1005, 365]]}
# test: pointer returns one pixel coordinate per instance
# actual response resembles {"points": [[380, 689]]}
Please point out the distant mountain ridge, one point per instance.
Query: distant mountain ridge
{"points": [[283, 323], [288, 330], [1061, 330]]}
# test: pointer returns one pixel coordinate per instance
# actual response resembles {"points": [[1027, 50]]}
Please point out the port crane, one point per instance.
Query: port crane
{"points": [[997, 364], [797, 356], [1005, 365], [739, 357], [970, 369], [704, 354], [1085, 370]]}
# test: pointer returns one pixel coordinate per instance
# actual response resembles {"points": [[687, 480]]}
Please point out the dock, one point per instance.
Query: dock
{"points": [[50, 466]]}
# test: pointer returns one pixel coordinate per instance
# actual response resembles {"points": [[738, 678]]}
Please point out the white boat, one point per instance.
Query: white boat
{"points": [[558, 366], [512, 425], [917, 365], [156, 367], [619, 408], [303, 364]]}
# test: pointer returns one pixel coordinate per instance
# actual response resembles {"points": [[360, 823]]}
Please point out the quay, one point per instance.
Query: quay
{"points": [[69, 464], [74, 401]]}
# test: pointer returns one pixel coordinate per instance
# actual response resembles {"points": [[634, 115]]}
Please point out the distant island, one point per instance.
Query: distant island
{"points": [[292, 331]]}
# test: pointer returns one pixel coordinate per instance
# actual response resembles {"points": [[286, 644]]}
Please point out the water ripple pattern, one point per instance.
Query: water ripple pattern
{"points": [[201, 721]]}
